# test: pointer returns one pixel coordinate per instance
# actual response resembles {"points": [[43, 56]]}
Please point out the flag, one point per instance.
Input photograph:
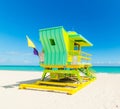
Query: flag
{"points": [[35, 52], [30, 43]]}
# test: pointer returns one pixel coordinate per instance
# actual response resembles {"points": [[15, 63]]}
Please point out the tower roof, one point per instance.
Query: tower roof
{"points": [[77, 38]]}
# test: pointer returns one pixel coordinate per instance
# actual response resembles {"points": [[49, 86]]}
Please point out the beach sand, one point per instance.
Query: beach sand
{"points": [[104, 93]]}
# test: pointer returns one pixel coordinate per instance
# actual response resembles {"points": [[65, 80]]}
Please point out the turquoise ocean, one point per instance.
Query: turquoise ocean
{"points": [[97, 69]]}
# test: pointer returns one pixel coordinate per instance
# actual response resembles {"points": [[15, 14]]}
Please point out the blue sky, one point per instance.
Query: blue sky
{"points": [[96, 20]]}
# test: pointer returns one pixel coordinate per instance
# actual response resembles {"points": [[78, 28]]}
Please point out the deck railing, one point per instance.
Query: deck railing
{"points": [[74, 52], [82, 55]]}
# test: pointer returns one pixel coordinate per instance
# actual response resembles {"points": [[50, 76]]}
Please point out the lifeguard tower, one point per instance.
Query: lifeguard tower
{"points": [[66, 67]]}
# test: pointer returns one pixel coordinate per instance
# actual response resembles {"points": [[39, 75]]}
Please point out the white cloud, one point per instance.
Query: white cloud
{"points": [[27, 54], [15, 57], [2, 60], [15, 53], [27, 62], [12, 53], [106, 63], [118, 62]]}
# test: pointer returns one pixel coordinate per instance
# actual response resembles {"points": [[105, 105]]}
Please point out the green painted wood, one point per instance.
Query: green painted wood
{"points": [[53, 43]]}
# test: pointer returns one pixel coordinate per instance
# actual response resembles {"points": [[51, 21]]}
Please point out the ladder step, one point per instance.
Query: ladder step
{"points": [[55, 86], [57, 83]]}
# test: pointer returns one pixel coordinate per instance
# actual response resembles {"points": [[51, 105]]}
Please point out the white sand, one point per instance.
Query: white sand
{"points": [[104, 93]]}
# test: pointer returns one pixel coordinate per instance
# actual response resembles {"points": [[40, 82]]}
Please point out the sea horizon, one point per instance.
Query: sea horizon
{"points": [[97, 69]]}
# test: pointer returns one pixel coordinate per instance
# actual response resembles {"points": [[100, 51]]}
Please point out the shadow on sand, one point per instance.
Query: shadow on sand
{"points": [[20, 82]]}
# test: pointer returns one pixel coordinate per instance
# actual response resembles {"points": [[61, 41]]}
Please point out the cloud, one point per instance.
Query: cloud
{"points": [[12, 57], [15, 53], [27, 62], [27, 54], [106, 63], [2, 60], [118, 62]]}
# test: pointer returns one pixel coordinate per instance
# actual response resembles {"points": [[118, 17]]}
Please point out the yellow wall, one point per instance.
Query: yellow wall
{"points": [[66, 39]]}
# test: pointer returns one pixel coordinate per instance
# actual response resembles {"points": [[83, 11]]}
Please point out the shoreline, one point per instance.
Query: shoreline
{"points": [[22, 70], [40, 71]]}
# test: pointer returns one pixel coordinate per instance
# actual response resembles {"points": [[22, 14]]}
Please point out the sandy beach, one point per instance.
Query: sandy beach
{"points": [[104, 93]]}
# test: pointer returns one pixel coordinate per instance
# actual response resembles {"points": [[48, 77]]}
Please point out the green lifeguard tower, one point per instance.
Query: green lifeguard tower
{"points": [[66, 67]]}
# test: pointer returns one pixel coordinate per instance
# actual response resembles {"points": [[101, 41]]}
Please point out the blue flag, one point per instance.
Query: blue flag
{"points": [[35, 51]]}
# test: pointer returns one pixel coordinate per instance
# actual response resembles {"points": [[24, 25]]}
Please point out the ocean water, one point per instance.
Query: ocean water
{"points": [[21, 68], [106, 69], [97, 69]]}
